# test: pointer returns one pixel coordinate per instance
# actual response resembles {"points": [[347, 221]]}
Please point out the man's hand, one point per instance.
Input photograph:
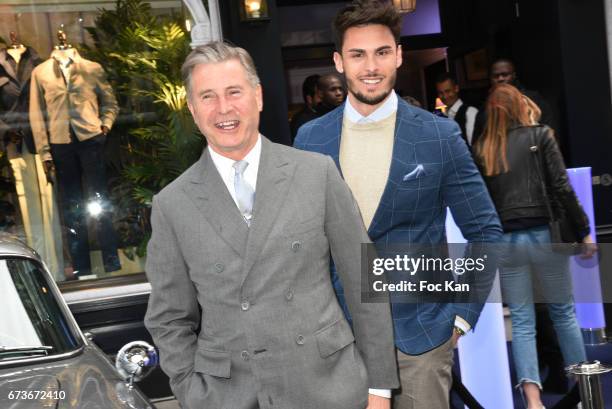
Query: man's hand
{"points": [[378, 402], [49, 168], [455, 338], [589, 248], [105, 129]]}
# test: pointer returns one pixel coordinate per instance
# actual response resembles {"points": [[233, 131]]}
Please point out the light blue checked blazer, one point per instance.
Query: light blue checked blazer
{"points": [[431, 169]]}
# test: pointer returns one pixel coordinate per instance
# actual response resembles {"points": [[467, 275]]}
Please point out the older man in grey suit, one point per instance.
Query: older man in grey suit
{"points": [[242, 307]]}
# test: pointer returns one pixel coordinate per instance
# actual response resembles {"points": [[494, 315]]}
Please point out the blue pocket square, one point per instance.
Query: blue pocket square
{"points": [[416, 173]]}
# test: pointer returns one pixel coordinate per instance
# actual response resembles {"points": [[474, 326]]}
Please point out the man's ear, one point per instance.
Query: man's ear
{"points": [[338, 62], [399, 56], [190, 106], [259, 97]]}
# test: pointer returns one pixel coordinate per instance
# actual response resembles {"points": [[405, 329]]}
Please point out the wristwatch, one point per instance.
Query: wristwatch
{"points": [[459, 331]]}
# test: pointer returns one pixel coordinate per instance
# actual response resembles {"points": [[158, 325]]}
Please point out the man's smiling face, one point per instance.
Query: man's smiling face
{"points": [[369, 60], [226, 107]]}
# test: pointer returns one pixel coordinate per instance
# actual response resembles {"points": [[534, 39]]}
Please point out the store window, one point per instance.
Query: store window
{"points": [[93, 122]]}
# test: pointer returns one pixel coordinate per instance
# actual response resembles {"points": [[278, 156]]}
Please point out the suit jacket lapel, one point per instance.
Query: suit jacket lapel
{"points": [[273, 181], [29, 58], [57, 72], [336, 136], [210, 195], [406, 130]]}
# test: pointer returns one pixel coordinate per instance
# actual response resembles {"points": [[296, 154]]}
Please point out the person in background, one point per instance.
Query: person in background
{"points": [[503, 71], [331, 91], [508, 154], [311, 99], [456, 109]]}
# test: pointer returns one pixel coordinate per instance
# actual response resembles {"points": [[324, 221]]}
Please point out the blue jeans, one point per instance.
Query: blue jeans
{"points": [[530, 257]]}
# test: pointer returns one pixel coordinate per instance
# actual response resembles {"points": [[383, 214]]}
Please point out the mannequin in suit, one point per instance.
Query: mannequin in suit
{"points": [[72, 109], [39, 215]]}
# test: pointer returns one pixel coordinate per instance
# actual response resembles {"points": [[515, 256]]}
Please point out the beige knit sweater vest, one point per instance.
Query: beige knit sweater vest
{"points": [[365, 159]]}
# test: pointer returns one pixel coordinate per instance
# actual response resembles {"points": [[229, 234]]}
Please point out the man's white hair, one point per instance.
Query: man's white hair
{"points": [[216, 52]]}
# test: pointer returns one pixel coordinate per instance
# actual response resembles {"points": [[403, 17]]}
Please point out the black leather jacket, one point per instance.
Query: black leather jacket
{"points": [[518, 194]]}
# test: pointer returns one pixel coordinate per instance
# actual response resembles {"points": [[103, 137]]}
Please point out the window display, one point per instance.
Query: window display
{"points": [[92, 123]]}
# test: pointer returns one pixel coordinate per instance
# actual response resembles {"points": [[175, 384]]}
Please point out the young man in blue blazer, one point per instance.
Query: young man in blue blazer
{"points": [[404, 166]]}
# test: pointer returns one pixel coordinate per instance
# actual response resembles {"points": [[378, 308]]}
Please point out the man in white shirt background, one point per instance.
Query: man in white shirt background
{"points": [[456, 109]]}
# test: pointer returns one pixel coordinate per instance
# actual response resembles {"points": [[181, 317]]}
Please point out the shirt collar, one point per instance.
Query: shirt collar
{"points": [[384, 111], [455, 107], [65, 58], [225, 164]]}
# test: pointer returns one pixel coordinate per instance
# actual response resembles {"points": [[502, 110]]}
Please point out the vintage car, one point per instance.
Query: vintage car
{"points": [[45, 359]]}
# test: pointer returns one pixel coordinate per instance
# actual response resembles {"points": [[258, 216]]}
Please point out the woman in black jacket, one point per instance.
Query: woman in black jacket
{"points": [[513, 154]]}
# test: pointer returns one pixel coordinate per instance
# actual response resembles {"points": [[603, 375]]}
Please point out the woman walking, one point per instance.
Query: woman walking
{"points": [[515, 156]]}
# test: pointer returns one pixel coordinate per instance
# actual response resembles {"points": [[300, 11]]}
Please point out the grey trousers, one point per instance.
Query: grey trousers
{"points": [[425, 379]]}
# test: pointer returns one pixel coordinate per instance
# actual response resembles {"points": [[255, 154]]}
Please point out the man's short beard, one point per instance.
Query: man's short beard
{"points": [[373, 100]]}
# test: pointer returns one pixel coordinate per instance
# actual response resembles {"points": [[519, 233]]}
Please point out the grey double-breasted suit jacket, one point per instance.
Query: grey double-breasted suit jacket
{"points": [[246, 317]]}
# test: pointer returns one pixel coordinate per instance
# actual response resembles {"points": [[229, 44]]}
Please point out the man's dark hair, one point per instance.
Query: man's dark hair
{"points": [[323, 81], [309, 86], [365, 12], [445, 76], [503, 59]]}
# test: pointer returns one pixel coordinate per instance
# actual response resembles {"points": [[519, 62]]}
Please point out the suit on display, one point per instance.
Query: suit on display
{"points": [[72, 107], [14, 96], [39, 214]]}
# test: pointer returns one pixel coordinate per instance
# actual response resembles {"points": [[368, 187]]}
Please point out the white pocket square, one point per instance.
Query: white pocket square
{"points": [[416, 173]]}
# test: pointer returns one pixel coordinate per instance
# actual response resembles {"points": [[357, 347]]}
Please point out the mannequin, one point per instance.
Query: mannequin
{"points": [[72, 109], [39, 215], [16, 49]]}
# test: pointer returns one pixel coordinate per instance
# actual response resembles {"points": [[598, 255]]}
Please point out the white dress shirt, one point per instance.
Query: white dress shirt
{"points": [[382, 112], [388, 108], [64, 58], [470, 118], [225, 167]]}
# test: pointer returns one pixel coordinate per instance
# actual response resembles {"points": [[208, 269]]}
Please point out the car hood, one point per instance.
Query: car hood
{"points": [[87, 381]]}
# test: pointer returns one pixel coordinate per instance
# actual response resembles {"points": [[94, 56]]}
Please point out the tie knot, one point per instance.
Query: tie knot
{"points": [[240, 166]]}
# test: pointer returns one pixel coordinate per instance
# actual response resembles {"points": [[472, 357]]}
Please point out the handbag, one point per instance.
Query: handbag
{"points": [[563, 236]]}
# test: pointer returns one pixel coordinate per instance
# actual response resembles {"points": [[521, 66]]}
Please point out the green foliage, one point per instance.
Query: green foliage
{"points": [[142, 55]]}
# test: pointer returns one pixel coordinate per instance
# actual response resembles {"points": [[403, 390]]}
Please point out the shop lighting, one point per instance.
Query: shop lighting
{"points": [[254, 10], [405, 6], [94, 208]]}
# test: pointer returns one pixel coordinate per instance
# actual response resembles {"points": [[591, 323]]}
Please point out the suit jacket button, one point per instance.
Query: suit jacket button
{"points": [[289, 295], [219, 267], [299, 340], [245, 305], [245, 355], [295, 246]]}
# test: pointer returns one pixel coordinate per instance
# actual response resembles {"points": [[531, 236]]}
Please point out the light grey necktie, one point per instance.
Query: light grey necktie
{"points": [[245, 195]]}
